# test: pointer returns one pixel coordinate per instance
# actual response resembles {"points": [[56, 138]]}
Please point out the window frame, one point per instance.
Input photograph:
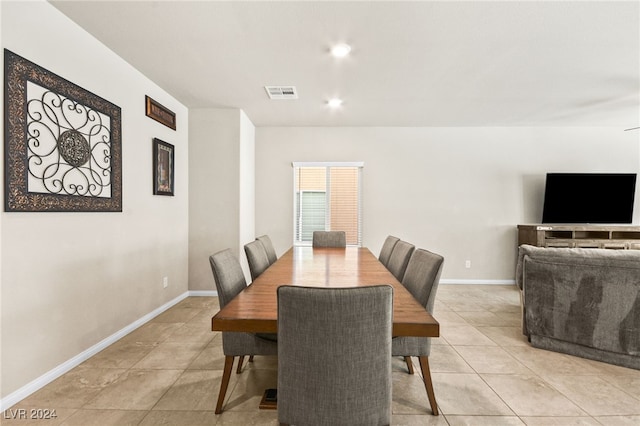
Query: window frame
{"points": [[326, 164]]}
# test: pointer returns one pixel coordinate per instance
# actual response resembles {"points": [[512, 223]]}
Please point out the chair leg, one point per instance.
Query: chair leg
{"points": [[251, 358], [407, 359], [428, 384], [226, 375], [239, 370]]}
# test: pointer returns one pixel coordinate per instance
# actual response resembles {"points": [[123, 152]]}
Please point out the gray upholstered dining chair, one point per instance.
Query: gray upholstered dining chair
{"points": [[387, 248], [421, 279], [230, 281], [334, 355], [257, 258], [268, 248], [399, 258], [329, 239]]}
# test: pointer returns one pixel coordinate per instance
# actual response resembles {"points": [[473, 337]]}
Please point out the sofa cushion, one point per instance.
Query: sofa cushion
{"points": [[602, 256]]}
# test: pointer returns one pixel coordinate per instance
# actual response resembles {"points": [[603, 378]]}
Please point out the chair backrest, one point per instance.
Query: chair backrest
{"points": [[399, 258], [329, 239], [423, 276], [326, 370], [257, 258], [268, 247], [387, 248], [228, 276]]}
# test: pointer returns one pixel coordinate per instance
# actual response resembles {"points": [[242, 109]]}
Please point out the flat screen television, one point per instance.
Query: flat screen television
{"points": [[589, 198]]}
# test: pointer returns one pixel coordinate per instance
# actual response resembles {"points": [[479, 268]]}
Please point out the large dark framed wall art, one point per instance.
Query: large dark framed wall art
{"points": [[62, 144]]}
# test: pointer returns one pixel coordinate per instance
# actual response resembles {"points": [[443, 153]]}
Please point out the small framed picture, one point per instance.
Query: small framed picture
{"points": [[159, 113], [163, 177]]}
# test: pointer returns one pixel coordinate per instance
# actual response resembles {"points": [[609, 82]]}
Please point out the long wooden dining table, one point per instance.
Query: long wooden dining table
{"points": [[255, 309]]}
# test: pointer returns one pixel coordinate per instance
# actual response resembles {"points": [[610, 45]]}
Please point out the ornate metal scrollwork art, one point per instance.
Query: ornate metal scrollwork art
{"points": [[62, 143]]}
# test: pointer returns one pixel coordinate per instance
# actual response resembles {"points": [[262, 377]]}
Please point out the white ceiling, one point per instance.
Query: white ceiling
{"points": [[419, 63]]}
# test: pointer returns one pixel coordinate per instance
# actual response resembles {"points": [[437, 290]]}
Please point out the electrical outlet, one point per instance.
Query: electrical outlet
{"points": [[165, 282], [467, 264]]}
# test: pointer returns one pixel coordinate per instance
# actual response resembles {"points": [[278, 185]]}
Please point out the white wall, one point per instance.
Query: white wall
{"points": [[456, 191], [70, 280]]}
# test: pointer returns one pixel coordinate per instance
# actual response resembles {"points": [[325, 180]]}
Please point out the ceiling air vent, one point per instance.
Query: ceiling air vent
{"points": [[281, 92]]}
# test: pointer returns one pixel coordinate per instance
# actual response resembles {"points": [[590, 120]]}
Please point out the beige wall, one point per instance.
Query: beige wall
{"points": [[247, 207], [70, 280], [457, 191], [221, 185]]}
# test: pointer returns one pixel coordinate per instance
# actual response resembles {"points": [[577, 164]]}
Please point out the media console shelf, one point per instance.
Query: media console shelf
{"points": [[622, 237]]}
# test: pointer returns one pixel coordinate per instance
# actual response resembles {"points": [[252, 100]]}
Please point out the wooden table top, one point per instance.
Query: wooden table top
{"points": [[255, 308]]}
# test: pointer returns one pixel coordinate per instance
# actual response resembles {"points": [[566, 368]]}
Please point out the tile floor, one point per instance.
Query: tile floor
{"points": [[168, 372]]}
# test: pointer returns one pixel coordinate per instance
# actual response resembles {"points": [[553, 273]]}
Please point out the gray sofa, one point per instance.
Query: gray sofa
{"points": [[583, 302]]}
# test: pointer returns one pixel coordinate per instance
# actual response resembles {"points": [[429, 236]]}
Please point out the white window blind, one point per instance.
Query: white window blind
{"points": [[327, 197]]}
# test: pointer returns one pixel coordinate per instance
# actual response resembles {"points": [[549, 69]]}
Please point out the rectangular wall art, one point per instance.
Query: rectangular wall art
{"points": [[159, 113], [163, 154], [62, 144]]}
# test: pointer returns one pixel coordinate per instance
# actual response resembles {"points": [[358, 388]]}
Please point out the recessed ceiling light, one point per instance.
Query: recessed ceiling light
{"points": [[334, 103], [340, 50]]}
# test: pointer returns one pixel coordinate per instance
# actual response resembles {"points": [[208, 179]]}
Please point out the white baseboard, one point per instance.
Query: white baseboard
{"points": [[473, 281], [205, 293], [17, 396]]}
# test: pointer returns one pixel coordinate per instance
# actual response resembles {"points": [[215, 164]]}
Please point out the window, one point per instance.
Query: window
{"points": [[327, 198]]}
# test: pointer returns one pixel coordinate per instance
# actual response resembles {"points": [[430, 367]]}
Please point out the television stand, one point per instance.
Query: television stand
{"points": [[621, 237]]}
